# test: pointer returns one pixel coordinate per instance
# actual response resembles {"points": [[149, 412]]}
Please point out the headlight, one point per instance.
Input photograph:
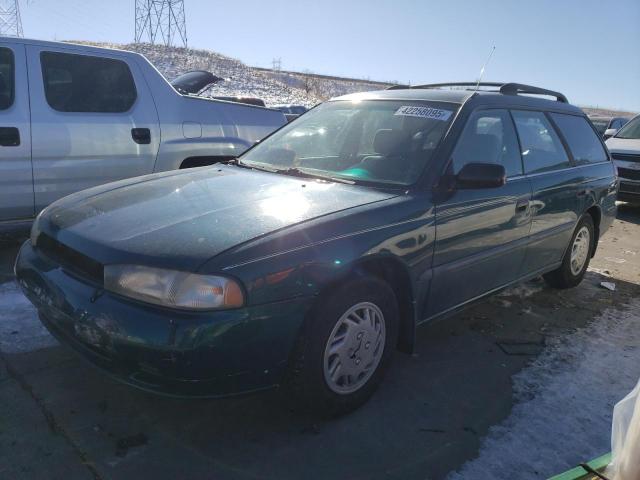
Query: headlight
{"points": [[171, 288]]}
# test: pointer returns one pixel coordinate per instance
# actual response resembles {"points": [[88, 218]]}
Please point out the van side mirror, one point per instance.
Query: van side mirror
{"points": [[610, 132], [481, 175]]}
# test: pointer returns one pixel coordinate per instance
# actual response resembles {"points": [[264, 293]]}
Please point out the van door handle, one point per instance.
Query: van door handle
{"points": [[141, 135], [9, 136], [582, 193]]}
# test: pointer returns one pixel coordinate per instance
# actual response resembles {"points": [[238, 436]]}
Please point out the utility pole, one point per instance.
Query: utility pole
{"points": [[160, 21], [10, 21], [276, 64]]}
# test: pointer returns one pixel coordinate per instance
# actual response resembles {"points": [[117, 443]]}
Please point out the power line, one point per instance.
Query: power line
{"points": [[160, 21], [10, 21]]}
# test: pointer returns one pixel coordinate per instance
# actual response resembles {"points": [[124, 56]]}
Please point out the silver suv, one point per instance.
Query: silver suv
{"points": [[74, 116]]}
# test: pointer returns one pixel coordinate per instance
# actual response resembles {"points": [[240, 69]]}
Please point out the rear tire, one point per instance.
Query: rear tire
{"points": [[344, 348], [576, 258]]}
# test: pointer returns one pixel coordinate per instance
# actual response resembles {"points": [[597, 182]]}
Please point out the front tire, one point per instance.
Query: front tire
{"points": [[576, 258], [344, 348]]}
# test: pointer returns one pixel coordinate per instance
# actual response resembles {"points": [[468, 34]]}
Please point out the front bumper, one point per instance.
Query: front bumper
{"points": [[204, 354]]}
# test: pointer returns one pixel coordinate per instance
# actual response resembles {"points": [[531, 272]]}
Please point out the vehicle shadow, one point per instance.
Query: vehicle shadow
{"points": [[629, 213], [9, 247], [427, 418]]}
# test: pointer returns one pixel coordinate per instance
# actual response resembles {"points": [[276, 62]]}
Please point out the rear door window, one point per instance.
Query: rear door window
{"points": [[7, 80], [583, 142], [488, 137], [83, 83], [542, 149]]}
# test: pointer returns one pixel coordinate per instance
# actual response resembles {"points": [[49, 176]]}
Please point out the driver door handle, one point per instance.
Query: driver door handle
{"points": [[522, 205]]}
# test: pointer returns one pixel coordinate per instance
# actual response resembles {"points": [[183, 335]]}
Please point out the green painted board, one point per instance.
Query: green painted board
{"points": [[579, 473]]}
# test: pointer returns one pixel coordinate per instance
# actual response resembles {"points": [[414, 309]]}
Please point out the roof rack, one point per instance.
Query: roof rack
{"points": [[504, 88]]}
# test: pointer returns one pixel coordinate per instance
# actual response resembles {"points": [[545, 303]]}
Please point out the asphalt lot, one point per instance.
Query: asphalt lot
{"points": [[60, 418]]}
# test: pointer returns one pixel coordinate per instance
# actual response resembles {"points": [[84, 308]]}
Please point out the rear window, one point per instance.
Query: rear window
{"points": [[7, 72], [82, 83], [583, 142]]}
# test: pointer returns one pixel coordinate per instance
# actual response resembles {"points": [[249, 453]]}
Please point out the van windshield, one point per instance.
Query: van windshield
{"points": [[369, 141], [631, 130]]}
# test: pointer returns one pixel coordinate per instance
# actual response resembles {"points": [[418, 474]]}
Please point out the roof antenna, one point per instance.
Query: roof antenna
{"points": [[483, 67]]}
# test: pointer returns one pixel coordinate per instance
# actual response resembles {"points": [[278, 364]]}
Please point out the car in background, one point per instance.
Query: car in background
{"points": [[306, 262], [608, 126], [291, 111], [625, 151], [195, 82], [75, 116]]}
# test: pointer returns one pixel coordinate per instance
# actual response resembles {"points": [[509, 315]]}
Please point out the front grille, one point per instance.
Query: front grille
{"points": [[628, 173], [629, 188], [626, 157], [69, 259]]}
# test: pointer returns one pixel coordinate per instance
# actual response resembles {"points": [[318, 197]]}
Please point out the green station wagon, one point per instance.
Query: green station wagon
{"points": [[306, 262]]}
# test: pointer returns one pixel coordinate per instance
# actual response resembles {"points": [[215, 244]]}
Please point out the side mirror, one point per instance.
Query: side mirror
{"points": [[610, 132], [481, 175]]}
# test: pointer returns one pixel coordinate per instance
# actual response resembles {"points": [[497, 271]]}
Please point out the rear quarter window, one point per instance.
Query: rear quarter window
{"points": [[583, 142]]}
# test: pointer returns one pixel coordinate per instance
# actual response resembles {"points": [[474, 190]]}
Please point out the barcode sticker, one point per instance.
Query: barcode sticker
{"points": [[424, 112]]}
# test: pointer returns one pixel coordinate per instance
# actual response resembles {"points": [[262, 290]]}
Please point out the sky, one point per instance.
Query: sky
{"points": [[589, 50]]}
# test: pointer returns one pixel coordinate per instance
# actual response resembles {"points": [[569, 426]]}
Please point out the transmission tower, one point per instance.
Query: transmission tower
{"points": [[161, 21], [10, 21]]}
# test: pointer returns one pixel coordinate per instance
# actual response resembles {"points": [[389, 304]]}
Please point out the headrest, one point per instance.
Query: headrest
{"points": [[388, 141]]}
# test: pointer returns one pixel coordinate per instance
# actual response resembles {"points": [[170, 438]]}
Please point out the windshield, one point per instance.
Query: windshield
{"points": [[631, 130], [378, 141]]}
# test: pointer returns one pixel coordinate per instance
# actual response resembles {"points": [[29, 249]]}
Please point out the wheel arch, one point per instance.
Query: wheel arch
{"points": [[596, 215], [395, 273]]}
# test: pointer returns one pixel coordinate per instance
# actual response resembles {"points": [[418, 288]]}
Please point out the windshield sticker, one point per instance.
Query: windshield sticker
{"points": [[424, 112]]}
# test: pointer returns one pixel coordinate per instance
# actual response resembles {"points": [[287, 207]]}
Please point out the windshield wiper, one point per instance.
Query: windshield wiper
{"points": [[298, 172], [238, 163]]}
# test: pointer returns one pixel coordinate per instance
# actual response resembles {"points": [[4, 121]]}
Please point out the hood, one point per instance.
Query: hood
{"points": [[180, 220], [623, 145]]}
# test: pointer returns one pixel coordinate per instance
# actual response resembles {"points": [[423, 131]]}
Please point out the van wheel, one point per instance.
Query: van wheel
{"points": [[344, 349], [576, 258]]}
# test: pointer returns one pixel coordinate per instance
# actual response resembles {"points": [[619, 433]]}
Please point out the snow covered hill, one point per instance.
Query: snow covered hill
{"points": [[242, 80], [273, 87]]}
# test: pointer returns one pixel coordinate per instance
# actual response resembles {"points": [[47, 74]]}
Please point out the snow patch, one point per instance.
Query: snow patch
{"points": [[564, 402], [20, 327]]}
